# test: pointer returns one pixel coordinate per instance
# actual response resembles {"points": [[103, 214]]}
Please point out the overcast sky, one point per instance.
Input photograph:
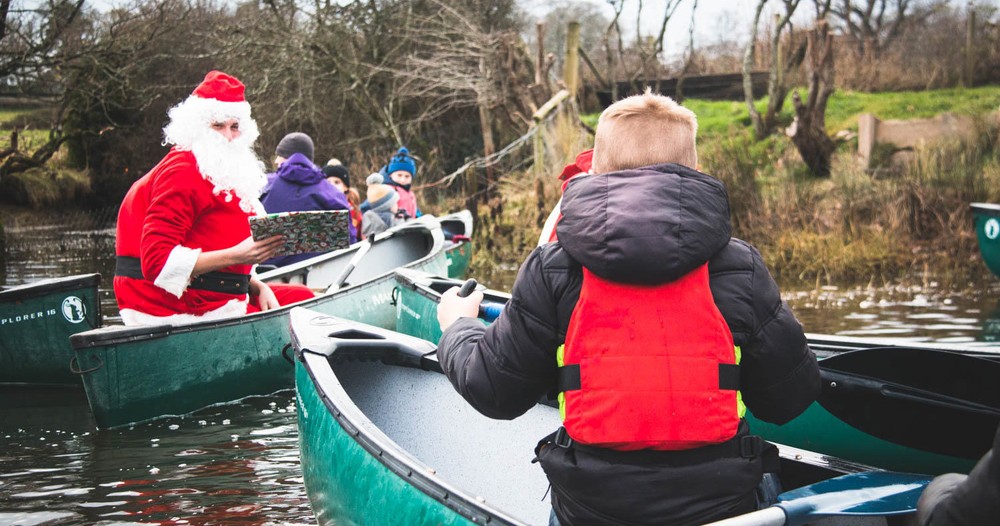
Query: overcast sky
{"points": [[715, 20]]}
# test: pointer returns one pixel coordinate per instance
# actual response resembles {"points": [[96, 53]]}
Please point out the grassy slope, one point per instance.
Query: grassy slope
{"points": [[890, 225], [720, 117]]}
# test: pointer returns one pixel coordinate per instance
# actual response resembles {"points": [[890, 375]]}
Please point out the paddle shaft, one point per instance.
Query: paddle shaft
{"points": [[362, 251], [773, 516], [467, 288]]}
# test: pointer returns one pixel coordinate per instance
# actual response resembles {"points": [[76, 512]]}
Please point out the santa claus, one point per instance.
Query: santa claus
{"points": [[184, 249]]}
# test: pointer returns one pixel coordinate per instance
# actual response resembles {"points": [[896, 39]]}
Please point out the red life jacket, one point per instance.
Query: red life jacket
{"points": [[649, 367]]}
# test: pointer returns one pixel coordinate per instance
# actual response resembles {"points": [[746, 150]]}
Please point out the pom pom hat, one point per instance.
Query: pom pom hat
{"points": [[218, 98], [377, 192], [402, 161]]}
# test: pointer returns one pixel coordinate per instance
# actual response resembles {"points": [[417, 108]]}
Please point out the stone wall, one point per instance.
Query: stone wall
{"points": [[908, 134]]}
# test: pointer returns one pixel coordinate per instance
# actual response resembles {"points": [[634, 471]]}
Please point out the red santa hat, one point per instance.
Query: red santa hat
{"points": [[220, 86], [218, 98]]}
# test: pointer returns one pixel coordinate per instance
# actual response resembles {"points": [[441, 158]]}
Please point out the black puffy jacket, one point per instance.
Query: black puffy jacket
{"points": [[644, 226]]}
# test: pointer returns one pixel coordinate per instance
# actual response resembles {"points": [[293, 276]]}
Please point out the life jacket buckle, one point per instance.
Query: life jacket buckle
{"points": [[751, 446], [562, 438]]}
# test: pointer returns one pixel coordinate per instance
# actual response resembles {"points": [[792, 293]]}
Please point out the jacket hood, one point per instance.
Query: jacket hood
{"points": [[298, 169], [648, 226]]}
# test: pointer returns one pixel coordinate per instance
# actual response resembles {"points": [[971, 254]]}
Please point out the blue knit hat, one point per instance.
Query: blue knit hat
{"points": [[402, 161]]}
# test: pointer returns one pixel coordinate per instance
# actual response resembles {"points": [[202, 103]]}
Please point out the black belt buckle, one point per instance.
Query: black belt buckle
{"points": [[562, 438], [751, 446]]}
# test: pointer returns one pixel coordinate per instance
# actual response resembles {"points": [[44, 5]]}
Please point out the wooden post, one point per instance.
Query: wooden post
{"points": [[540, 61], [571, 67], [867, 137], [538, 117], [969, 66]]}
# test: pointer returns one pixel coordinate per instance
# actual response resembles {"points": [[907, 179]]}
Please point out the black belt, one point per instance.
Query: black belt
{"points": [[741, 446], [225, 282]]}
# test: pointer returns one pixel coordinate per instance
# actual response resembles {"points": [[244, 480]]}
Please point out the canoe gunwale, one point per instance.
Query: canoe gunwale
{"points": [[386, 451], [991, 209], [50, 286]]}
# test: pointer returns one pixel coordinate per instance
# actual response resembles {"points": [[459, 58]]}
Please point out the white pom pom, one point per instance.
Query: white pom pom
{"points": [[375, 178]]}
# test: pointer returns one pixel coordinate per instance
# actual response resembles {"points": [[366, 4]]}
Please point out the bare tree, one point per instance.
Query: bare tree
{"points": [[35, 46], [814, 145], [784, 59], [613, 49], [875, 24], [463, 65], [689, 55]]}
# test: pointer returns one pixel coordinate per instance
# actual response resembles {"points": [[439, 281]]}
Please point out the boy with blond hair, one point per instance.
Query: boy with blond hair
{"points": [[637, 131], [656, 329]]}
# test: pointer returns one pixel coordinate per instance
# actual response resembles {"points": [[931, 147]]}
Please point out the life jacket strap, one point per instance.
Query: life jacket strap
{"points": [[744, 446], [568, 377]]}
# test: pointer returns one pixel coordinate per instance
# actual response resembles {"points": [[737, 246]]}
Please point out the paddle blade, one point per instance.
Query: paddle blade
{"points": [[935, 401], [867, 494], [871, 493]]}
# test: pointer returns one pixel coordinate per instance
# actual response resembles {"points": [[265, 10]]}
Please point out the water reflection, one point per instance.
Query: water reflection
{"points": [[901, 313], [230, 464]]}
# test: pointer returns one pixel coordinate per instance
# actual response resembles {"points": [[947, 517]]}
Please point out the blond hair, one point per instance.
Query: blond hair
{"points": [[643, 130]]}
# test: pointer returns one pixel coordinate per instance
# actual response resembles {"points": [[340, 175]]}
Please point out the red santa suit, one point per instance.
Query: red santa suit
{"points": [[175, 212]]}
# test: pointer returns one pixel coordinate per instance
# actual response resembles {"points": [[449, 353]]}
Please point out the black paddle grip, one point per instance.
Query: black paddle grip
{"points": [[467, 288]]}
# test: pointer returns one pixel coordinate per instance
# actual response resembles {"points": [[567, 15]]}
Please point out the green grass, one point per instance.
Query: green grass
{"points": [[716, 118]]}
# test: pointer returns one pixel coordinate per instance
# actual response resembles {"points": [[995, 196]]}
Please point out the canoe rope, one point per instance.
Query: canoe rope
{"points": [[74, 366]]}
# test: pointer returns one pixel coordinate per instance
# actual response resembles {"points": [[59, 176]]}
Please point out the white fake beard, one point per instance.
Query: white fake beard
{"points": [[233, 168]]}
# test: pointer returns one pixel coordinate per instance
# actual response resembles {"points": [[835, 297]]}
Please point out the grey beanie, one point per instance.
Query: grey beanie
{"points": [[296, 142]]}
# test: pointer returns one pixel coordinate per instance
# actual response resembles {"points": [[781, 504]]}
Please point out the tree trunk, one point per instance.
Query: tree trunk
{"points": [[810, 138], [758, 124]]}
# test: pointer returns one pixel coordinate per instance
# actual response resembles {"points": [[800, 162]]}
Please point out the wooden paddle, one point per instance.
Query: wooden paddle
{"points": [[342, 278], [870, 493], [937, 401]]}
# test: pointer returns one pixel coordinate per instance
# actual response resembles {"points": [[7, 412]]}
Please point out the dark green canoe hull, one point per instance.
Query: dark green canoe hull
{"points": [[816, 429], [385, 439], [36, 321], [135, 374], [986, 217]]}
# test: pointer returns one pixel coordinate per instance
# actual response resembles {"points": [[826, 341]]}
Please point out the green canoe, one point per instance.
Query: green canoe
{"points": [[891, 405], [135, 374], [457, 229], [385, 439], [36, 321], [986, 217]]}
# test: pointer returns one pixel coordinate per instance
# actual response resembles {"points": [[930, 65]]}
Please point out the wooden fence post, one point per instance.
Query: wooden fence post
{"points": [[571, 67]]}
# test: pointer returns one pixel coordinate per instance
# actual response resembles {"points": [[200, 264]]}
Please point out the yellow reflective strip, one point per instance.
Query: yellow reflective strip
{"points": [[741, 408], [562, 397]]}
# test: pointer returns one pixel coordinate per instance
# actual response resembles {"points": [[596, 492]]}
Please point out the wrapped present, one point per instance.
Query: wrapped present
{"points": [[312, 231]]}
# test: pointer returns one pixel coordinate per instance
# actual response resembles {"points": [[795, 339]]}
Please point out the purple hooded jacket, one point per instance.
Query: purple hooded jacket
{"points": [[297, 186]]}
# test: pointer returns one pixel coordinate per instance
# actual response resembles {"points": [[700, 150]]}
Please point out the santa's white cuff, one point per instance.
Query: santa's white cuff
{"points": [[176, 273]]}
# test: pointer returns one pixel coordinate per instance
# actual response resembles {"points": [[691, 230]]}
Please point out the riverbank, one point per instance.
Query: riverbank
{"points": [[903, 223]]}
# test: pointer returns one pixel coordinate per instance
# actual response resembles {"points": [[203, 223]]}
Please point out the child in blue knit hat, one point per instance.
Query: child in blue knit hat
{"points": [[402, 169]]}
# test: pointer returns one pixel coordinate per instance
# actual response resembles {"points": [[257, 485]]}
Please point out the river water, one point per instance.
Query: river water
{"points": [[238, 463]]}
